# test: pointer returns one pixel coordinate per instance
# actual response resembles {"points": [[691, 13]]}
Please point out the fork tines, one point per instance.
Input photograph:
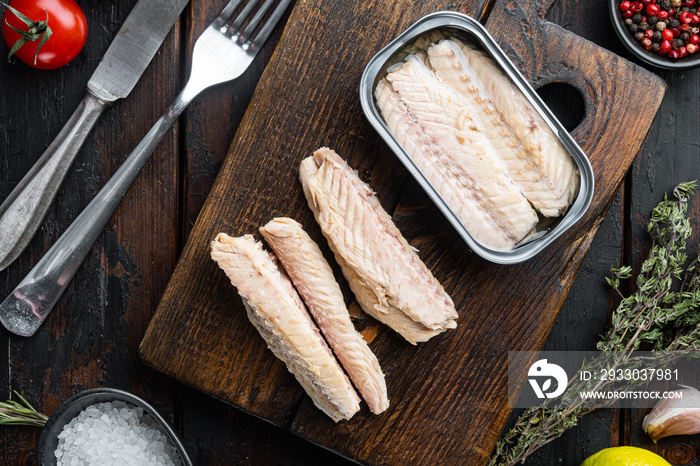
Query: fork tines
{"points": [[233, 29]]}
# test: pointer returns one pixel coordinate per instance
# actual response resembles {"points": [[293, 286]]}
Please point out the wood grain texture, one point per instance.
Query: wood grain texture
{"points": [[212, 118], [91, 337], [667, 158], [584, 315], [219, 434], [308, 98], [670, 158], [91, 342], [278, 159]]}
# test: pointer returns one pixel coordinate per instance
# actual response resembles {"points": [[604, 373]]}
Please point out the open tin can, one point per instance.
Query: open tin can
{"points": [[470, 31]]}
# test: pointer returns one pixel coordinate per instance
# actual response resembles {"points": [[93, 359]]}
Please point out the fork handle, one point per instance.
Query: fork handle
{"points": [[28, 305], [26, 206]]}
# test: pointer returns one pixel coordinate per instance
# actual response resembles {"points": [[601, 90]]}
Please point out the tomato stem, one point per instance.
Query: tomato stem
{"points": [[36, 30]]}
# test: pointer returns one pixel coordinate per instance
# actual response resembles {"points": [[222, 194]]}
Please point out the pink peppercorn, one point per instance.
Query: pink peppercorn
{"points": [[664, 47]]}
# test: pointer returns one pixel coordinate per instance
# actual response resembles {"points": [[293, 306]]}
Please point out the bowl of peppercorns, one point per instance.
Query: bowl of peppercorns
{"points": [[663, 33]]}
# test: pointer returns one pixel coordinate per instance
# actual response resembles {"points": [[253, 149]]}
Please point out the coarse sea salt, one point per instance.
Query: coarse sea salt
{"points": [[114, 433]]}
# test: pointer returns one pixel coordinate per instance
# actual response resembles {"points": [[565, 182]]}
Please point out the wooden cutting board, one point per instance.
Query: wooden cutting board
{"points": [[448, 396]]}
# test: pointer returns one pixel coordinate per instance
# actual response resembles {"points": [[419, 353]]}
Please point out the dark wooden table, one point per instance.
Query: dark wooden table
{"points": [[91, 338]]}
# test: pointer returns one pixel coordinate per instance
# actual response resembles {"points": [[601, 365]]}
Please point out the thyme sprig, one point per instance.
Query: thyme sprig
{"points": [[20, 414], [643, 316], [662, 315]]}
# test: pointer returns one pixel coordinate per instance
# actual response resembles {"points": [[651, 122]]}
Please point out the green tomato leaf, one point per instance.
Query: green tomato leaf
{"points": [[15, 47], [37, 29], [28, 21], [44, 38]]}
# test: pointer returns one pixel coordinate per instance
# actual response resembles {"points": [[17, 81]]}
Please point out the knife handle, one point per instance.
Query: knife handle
{"points": [[24, 209], [23, 311]]}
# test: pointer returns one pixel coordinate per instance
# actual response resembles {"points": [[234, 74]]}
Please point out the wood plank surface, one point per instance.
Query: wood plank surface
{"points": [[459, 375], [91, 337], [672, 158], [668, 158], [584, 315]]}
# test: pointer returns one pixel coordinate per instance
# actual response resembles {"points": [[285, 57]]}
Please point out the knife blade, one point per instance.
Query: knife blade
{"points": [[135, 44]]}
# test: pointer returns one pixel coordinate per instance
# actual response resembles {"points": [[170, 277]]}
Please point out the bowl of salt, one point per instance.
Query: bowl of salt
{"points": [[106, 426]]}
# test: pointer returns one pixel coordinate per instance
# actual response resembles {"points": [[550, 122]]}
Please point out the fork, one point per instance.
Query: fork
{"points": [[222, 53]]}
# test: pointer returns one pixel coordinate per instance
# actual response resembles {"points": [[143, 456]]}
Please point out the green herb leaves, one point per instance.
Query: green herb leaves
{"points": [[667, 292], [20, 414]]}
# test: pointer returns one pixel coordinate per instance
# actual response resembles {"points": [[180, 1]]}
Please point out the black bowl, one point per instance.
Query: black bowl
{"points": [[48, 441], [638, 50]]}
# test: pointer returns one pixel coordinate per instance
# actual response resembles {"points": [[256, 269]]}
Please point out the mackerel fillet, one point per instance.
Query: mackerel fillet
{"points": [[543, 146], [313, 278], [541, 182], [388, 278], [277, 312], [468, 155]]}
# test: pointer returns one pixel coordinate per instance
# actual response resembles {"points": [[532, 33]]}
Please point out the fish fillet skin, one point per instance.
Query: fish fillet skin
{"points": [[442, 174], [391, 282], [449, 63], [440, 111], [544, 147], [313, 278], [277, 312]]}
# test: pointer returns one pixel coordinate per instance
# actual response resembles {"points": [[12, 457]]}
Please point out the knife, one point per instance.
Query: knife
{"points": [[127, 57]]}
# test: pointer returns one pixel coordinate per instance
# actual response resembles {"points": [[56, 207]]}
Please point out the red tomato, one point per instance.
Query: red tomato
{"points": [[68, 31]]}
